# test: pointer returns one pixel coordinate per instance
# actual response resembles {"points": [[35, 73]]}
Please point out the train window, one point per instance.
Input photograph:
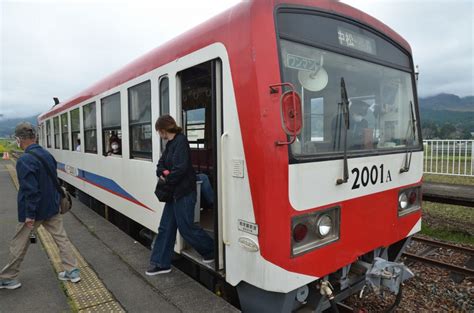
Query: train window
{"points": [[196, 103], [111, 125], [195, 121], [65, 131], [75, 130], [90, 128], [139, 114], [48, 133], [380, 102], [57, 144], [164, 96], [164, 103]]}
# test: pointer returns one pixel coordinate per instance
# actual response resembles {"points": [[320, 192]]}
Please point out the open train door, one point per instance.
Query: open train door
{"points": [[200, 108]]}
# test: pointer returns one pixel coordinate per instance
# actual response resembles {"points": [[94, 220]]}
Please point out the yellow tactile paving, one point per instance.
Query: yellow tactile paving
{"points": [[90, 294]]}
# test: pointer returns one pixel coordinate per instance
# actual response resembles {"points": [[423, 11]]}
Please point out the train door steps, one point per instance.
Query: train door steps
{"points": [[106, 252], [449, 193]]}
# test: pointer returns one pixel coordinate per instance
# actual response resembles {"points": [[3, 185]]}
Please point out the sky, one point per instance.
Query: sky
{"points": [[57, 48]]}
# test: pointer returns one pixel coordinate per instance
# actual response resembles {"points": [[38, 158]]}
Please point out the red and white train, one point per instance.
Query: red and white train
{"points": [[312, 201]]}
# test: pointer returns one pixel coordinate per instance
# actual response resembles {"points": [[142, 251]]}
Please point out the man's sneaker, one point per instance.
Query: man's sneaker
{"points": [[208, 260], [72, 276], [9, 284], [155, 270]]}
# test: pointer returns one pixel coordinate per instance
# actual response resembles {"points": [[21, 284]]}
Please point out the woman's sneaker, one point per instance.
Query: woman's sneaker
{"points": [[155, 270], [72, 276], [9, 284]]}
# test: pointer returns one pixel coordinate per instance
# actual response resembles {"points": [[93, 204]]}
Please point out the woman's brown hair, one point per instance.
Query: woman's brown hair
{"points": [[167, 123]]}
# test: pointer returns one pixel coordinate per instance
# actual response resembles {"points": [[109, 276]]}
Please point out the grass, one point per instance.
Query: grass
{"points": [[449, 212], [449, 179], [446, 234], [445, 221]]}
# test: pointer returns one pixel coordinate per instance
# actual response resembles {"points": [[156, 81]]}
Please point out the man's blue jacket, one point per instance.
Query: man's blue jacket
{"points": [[38, 197]]}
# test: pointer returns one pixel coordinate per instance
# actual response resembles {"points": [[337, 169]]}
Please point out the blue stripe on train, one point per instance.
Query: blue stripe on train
{"points": [[101, 181]]}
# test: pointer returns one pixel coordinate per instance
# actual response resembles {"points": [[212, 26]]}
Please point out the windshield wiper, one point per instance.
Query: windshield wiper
{"points": [[407, 163], [344, 107]]}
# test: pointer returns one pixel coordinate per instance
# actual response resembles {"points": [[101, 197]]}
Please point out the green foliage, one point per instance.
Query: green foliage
{"points": [[448, 222], [7, 145], [448, 235], [449, 179], [445, 221], [445, 124]]}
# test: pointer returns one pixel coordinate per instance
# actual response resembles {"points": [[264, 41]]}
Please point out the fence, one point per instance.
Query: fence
{"points": [[449, 157]]}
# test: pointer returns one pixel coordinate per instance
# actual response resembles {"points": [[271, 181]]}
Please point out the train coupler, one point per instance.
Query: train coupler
{"points": [[383, 273]]}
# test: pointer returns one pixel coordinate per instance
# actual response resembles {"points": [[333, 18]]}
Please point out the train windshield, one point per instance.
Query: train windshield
{"points": [[381, 116]]}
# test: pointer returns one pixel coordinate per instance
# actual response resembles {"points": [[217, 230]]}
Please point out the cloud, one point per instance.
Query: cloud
{"points": [[56, 48]]}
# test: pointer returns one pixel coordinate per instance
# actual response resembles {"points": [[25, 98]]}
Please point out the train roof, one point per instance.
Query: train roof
{"points": [[202, 36]]}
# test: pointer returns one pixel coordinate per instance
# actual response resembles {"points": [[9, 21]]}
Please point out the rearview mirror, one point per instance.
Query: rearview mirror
{"points": [[290, 109]]}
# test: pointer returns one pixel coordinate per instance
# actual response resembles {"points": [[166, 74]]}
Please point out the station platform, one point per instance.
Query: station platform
{"points": [[112, 268], [449, 193]]}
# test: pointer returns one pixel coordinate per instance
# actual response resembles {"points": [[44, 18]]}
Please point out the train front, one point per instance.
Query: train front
{"points": [[355, 165]]}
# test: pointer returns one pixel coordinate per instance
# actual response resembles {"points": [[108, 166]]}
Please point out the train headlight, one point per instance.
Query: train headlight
{"points": [[409, 200], [324, 225], [403, 201], [313, 230]]}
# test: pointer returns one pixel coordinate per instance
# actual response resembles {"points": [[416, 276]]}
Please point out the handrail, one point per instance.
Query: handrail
{"points": [[224, 199], [453, 157]]}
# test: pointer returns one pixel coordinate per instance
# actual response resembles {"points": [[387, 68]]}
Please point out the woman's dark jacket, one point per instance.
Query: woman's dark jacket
{"points": [[177, 159]]}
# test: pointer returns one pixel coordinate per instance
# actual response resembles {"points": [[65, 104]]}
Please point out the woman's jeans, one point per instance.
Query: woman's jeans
{"points": [[207, 194], [179, 214]]}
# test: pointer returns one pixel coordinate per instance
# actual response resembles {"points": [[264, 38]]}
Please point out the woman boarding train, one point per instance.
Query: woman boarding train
{"points": [[177, 188]]}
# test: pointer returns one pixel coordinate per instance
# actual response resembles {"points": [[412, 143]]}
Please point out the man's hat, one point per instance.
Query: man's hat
{"points": [[25, 130]]}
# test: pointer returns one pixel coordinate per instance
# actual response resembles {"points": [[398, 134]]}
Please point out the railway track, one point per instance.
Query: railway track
{"points": [[432, 245]]}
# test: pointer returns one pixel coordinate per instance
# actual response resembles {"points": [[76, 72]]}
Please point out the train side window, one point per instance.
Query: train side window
{"points": [[111, 125], [139, 114], [164, 102], [65, 131], [164, 96], [75, 130], [90, 128], [56, 133], [48, 133]]}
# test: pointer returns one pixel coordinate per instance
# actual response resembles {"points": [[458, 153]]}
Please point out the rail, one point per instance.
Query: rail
{"points": [[449, 157], [421, 257]]}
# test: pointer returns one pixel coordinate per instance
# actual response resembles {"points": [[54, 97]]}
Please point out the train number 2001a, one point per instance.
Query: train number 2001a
{"points": [[373, 176]]}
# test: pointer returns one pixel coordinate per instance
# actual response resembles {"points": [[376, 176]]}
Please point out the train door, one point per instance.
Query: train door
{"points": [[199, 96]]}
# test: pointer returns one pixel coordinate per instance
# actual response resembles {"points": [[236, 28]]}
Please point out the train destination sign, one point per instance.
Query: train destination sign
{"points": [[356, 41]]}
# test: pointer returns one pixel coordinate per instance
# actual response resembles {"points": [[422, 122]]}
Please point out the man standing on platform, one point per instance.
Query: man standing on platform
{"points": [[38, 204]]}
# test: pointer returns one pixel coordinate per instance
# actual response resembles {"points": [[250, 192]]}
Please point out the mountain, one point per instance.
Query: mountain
{"points": [[7, 126], [448, 108], [447, 116], [447, 102]]}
